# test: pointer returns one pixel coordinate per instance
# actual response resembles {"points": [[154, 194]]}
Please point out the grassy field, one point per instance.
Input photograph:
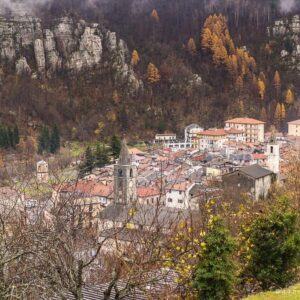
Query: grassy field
{"points": [[291, 293]]}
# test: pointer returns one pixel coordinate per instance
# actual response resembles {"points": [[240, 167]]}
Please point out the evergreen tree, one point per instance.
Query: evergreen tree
{"points": [[101, 156], [123, 118], [11, 140], [3, 138], [87, 165], [44, 140], [16, 135], [115, 146], [274, 255], [54, 140], [215, 274]]}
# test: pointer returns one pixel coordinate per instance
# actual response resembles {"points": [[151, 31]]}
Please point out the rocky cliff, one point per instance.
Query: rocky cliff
{"points": [[287, 34], [27, 47]]}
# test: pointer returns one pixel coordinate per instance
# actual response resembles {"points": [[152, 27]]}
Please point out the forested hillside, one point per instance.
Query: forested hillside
{"points": [[198, 61]]}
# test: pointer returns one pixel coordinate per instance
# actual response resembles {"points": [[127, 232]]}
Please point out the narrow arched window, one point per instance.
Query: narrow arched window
{"points": [[131, 173], [120, 173]]}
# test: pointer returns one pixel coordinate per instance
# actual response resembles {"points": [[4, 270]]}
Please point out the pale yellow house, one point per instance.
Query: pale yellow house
{"points": [[294, 128]]}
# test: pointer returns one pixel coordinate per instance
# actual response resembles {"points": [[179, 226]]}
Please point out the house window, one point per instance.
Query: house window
{"points": [[120, 173], [131, 173], [170, 200], [272, 150], [180, 201], [180, 192]]}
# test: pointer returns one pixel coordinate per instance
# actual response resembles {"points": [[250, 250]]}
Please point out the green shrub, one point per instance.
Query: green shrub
{"points": [[215, 275], [273, 248]]}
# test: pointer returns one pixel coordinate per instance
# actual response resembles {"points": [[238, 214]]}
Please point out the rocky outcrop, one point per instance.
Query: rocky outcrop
{"points": [[287, 34], [68, 46], [22, 66]]}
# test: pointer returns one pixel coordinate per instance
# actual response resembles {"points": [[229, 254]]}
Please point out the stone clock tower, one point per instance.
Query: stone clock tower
{"points": [[125, 173]]}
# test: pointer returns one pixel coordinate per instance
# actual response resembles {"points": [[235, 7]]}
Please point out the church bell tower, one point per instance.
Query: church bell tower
{"points": [[125, 173], [273, 153]]}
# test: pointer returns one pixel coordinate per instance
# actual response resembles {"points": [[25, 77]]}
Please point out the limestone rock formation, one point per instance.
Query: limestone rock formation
{"points": [[287, 33], [22, 66], [70, 46]]}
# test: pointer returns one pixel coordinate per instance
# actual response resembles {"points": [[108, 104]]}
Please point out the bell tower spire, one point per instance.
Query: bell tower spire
{"points": [[125, 173]]}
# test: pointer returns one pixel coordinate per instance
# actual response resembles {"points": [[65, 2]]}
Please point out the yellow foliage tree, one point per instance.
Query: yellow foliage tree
{"points": [[261, 88], [115, 96], [220, 54], [232, 65], [242, 107], [239, 84], [207, 38], [191, 46], [263, 114], [111, 116], [277, 83], [153, 75], [280, 112], [289, 97], [135, 58], [283, 112], [154, 15], [99, 128]]}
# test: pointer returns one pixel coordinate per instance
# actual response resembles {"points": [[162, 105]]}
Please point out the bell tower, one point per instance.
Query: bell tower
{"points": [[273, 153], [125, 173]]}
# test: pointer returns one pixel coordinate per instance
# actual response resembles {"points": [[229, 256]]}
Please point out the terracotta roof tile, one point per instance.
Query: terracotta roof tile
{"points": [[144, 192], [245, 121]]}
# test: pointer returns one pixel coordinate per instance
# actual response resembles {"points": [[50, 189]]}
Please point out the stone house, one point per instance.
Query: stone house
{"points": [[254, 181]]}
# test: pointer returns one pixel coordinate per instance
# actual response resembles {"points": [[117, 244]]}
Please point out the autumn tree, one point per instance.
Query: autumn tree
{"points": [[283, 111], [277, 84], [239, 84], [206, 38], [191, 46], [154, 15], [116, 97], [232, 65], [263, 114], [289, 96], [261, 88], [153, 75], [280, 112], [135, 58]]}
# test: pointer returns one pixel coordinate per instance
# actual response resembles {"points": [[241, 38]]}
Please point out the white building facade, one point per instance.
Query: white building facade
{"points": [[254, 130]]}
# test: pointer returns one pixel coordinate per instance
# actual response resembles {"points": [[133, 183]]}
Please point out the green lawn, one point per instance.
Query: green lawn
{"points": [[291, 293]]}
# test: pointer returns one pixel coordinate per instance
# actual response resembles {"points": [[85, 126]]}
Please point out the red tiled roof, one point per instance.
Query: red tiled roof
{"points": [[199, 157], [233, 131], [182, 186], [245, 121], [144, 192], [258, 156], [90, 188], [213, 132]]}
